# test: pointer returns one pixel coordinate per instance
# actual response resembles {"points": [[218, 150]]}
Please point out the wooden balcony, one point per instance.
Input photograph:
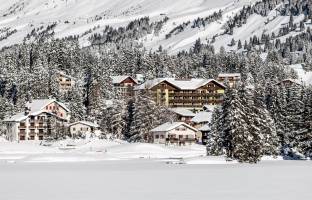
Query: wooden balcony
{"points": [[180, 140]]}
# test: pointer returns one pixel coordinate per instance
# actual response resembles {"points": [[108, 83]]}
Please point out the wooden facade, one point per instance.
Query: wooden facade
{"points": [[124, 85], [231, 79], [167, 94]]}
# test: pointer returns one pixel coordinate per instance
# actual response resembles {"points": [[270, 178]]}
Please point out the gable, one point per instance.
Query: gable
{"points": [[129, 80], [213, 83], [164, 85]]}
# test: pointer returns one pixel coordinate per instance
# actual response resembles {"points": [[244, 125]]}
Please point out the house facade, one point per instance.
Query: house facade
{"points": [[124, 85], [65, 82], [178, 133], [231, 78], [205, 131], [82, 127], [183, 114], [41, 119], [287, 83], [190, 94]]}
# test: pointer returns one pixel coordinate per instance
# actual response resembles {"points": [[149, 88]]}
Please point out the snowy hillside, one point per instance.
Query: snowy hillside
{"points": [[76, 17]]}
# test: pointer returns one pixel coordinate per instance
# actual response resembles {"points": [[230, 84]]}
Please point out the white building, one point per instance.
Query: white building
{"points": [[175, 133], [41, 118], [83, 127]]}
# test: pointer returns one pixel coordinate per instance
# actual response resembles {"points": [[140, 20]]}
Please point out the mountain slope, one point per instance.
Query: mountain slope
{"points": [[18, 18]]}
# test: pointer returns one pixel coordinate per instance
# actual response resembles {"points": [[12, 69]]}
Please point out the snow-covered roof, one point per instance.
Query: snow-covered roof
{"points": [[229, 75], [170, 126], [40, 104], [36, 107], [189, 84], [183, 112], [296, 81], [305, 77], [119, 79], [87, 123], [22, 116], [16, 118], [205, 127], [65, 75], [202, 117], [210, 108]]}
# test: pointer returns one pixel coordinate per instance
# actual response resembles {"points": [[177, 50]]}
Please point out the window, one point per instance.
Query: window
{"points": [[74, 129], [162, 136], [157, 136]]}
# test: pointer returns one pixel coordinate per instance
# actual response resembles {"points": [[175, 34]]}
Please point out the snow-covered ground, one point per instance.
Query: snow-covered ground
{"points": [[153, 180], [92, 150], [101, 169]]}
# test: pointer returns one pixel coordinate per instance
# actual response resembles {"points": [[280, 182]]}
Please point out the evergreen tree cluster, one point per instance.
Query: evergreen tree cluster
{"points": [[255, 121]]}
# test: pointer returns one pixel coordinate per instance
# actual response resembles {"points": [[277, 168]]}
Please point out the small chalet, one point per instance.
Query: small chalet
{"points": [[231, 78], [82, 127], [41, 118], [183, 115], [178, 133], [289, 82], [66, 82], [200, 120], [124, 85]]}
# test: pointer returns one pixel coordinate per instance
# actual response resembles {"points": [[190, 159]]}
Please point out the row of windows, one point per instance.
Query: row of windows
{"points": [[82, 129], [175, 136]]}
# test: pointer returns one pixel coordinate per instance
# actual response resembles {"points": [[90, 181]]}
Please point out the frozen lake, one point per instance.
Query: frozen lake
{"points": [[154, 180]]}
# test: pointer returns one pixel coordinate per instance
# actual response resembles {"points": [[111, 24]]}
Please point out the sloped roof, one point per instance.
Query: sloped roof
{"points": [[210, 108], [16, 118], [189, 84], [36, 107], [21, 116], [40, 104], [296, 81], [183, 112], [119, 79], [87, 123], [170, 126], [202, 117], [65, 75], [205, 127], [229, 74]]}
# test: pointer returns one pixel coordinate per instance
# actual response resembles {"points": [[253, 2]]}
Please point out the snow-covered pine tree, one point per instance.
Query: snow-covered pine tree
{"points": [[215, 142], [146, 116]]}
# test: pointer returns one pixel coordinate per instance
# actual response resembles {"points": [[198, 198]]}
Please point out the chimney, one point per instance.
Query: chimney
{"points": [[26, 110]]}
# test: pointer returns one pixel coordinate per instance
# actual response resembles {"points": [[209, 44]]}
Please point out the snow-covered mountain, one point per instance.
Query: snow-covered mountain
{"points": [[76, 17]]}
